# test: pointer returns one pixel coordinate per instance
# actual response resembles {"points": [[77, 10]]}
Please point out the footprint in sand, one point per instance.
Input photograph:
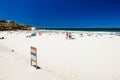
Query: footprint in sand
{"points": [[0, 56]]}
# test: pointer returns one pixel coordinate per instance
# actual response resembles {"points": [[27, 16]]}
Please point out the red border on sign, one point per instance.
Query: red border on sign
{"points": [[33, 48]]}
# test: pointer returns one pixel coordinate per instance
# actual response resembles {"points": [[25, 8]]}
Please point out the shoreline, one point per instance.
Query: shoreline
{"points": [[84, 29]]}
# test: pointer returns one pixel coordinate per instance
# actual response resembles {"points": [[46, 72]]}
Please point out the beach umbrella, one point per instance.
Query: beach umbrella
{"points": [[33, 34]]}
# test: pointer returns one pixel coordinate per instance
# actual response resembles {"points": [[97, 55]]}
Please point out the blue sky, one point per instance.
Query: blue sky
{"points": [[63, 13]]}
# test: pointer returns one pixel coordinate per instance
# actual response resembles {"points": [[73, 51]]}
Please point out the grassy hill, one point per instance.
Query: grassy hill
{"points": [[12, 25]]}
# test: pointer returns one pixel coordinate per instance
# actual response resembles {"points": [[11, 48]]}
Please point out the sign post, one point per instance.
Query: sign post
{"points": [[34, 57]]}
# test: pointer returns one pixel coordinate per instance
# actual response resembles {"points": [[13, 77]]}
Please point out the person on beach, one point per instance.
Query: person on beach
{"points": [[70, 36], [40, 33], [67, 34], [81, 35], [12, 50]]}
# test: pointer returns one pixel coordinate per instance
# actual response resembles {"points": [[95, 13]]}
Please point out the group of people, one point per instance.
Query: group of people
{"points": [[69, 36]]}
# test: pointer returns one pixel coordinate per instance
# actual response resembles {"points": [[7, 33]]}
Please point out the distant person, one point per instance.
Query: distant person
{"points": [[12, 50], [67, 35], [40, 33], [81, 35], [70, 36]]}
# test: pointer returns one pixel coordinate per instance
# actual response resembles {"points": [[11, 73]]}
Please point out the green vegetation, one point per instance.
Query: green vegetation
{"points": [[11, 25]]}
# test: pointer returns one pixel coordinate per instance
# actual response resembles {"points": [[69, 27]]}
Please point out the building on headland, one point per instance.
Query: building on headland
{"points": [[33, 28], [7, 21]]}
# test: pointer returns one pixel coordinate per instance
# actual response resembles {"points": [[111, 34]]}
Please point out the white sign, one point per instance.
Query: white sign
{"points": [[34, 53], [34, 57]]}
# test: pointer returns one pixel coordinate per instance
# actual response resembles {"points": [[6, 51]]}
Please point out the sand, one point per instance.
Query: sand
{"points": [[95, 57]]}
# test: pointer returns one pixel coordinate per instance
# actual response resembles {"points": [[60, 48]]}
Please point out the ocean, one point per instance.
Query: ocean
{"points": [[106, 31], [84, 29]]}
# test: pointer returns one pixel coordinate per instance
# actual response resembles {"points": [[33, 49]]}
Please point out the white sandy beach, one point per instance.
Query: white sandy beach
{"points": [[84, 58]]}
